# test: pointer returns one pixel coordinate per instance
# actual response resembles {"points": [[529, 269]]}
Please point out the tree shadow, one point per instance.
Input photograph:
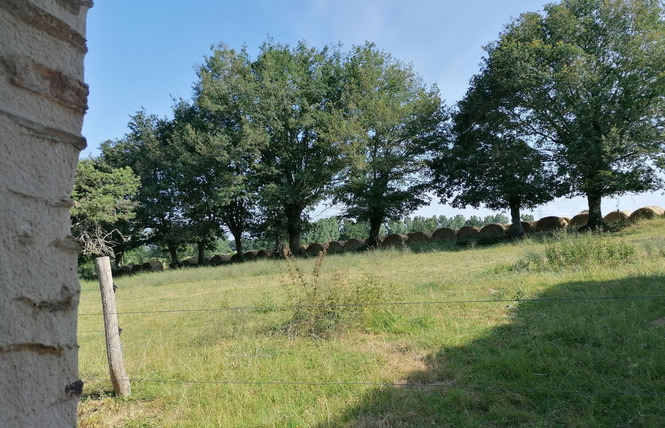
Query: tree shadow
{"points": [[581, 355]]}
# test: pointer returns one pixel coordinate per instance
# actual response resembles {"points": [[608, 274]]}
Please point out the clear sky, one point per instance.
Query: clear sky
{"points": [[143, 53]]}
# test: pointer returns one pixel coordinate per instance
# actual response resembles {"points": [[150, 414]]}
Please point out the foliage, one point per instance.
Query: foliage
{"points": [[583, 81], [323, 230], [490, 160], [323, 307], [577, 251], [299, 89], [395, 124], [103, 197], [225, 101], [145, 149]]}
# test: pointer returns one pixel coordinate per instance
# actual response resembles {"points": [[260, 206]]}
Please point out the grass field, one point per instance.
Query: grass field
{"points": [[561, 331]]}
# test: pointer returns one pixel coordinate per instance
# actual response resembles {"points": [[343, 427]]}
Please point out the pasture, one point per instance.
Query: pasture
{"points": [[567, 330]]}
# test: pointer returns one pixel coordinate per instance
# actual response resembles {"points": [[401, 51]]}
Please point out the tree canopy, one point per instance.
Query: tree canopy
{"points": [[584, 81], [395, 126], [102, 198]]}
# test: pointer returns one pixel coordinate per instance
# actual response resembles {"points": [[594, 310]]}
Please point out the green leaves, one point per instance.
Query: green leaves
{"points": [[102, 198], [584, 83]]}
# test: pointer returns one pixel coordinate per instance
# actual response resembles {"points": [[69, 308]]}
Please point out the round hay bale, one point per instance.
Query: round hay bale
{"points": [[250, 256], [315, 248], [263, 254], [137, 268], [417, 237], [192, 261], [468, 233], [126, 270], [153, 265], [444, 234], [529, 227], [354, 244], [335, 247], [551, 223], [235, 258], [616, 217], [579, 220], [492, 232], [395, 240], [220, 259], [646, 213]]}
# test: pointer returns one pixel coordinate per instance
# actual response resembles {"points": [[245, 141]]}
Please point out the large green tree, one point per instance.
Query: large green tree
{"points": [[489, 161], [395, 125], [584, 80], [298, 92], [159, 218], [226, 99]]}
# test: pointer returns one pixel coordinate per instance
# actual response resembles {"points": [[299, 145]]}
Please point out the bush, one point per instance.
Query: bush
{"points": [[327, 304]]}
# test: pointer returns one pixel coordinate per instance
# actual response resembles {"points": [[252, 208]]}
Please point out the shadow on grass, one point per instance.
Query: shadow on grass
{"points": [[556, 363]]}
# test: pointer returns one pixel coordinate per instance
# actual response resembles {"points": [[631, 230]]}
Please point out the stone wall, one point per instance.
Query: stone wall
{"points": [[42, 103]]}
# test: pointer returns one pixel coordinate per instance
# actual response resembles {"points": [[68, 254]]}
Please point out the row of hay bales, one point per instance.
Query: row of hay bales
{"points": [[489, 233]]}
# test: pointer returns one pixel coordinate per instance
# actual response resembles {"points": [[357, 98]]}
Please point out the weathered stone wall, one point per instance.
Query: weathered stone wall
{"points": [[42, 103]]}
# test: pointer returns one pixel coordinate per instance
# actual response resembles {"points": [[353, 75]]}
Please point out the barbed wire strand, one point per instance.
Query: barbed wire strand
{"points": [[440, 302], [386, 384]]}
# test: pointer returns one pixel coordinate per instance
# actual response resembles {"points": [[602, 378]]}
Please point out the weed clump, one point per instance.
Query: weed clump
{"points": [[324, 305], [576, 251]]}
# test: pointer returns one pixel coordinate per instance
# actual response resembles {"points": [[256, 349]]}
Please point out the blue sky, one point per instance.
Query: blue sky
{"points": [[143, 53]]}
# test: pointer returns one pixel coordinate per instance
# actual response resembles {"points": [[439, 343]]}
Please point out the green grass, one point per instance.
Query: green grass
{"points": [[504, 345]]}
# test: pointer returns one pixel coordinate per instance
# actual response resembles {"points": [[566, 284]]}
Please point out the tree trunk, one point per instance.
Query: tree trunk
{"points": [[293, 228], [202, 253], [595, 221], [239, 250], [118, 256], [374, 229], [173, 251], [516, 231]]}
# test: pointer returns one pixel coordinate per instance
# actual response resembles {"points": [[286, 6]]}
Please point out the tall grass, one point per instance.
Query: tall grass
{"points": [[536, 345]]}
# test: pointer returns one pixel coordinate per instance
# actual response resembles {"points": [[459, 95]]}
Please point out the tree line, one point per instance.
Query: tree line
{"points": [[567, 102]]}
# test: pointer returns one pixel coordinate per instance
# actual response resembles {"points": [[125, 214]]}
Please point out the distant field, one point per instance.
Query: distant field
{"points": [[553, 331]]}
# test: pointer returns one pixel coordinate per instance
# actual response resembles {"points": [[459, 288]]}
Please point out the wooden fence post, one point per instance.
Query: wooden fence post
{"points": [[113, 350]]}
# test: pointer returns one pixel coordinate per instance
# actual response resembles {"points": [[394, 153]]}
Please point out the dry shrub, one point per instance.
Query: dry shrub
{"points": [[336, 247], [354, 244], [579, 220], [395, 240], [444, 234], [418, 237], [551, 224], [492, 232], [315, 248], [646, 213], [324, 305], [468, 233], [616, 217]]}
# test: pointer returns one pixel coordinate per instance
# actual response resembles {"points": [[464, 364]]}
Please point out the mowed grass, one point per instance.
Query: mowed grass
{"points": [[560, 331]]}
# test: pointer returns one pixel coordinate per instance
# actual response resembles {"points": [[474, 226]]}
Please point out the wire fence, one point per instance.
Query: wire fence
{"points": [[434, 385], [374, 304]]}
